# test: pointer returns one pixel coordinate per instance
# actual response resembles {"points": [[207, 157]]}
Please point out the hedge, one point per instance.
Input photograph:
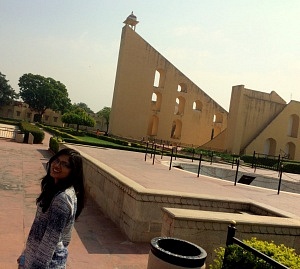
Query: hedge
{"points": [[118, 146], [37, 133], [240, 258], [54, 144], [58, 133], [9, 121]]}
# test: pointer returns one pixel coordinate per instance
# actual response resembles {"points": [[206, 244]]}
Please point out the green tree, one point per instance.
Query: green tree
{"points": [[84, 107], [7, 94], [42, 93], [78, 117], [104, 113]]}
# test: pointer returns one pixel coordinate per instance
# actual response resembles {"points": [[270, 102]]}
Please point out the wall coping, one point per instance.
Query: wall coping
{"points": [[224, 217]]}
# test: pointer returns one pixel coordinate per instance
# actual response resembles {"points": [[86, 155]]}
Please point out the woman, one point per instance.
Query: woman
{"points": [[59, 204]]}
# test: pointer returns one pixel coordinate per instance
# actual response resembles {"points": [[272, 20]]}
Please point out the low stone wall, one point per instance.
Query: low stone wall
{"points": [[209, 229]]}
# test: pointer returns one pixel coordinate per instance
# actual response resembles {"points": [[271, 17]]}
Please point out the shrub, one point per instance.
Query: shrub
{"points": [[291, 167], [240, 258], [54, 144], [116, 146], [37, 133], [9, 121], [57, 132]]}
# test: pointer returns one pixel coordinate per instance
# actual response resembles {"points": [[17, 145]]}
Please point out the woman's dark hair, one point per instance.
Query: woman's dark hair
{"points": [[50, 189]]}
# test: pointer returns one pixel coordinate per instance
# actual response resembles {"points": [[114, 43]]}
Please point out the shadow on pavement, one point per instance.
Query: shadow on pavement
{"points": [[100, 235]]}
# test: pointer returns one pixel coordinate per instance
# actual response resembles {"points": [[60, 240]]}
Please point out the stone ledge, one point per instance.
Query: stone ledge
{"points": [[208, 229], [224, 217]]}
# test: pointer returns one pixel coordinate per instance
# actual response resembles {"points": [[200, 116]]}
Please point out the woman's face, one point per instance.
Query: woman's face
{"points": [[60, 168]]}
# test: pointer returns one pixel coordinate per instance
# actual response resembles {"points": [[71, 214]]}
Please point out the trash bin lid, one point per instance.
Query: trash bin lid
{"points": [[178, 252]]}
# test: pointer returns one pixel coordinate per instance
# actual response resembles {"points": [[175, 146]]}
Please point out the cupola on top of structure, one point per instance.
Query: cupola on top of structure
{"points": [[131, 20]]}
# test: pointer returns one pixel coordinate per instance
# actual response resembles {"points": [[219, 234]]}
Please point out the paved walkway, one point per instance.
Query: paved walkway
{"points": [[97, 242]]}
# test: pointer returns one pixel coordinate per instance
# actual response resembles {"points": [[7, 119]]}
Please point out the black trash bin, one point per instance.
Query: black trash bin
{"points": [[173, 253]]}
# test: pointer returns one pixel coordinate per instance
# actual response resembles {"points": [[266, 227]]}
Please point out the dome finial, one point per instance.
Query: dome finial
{"points": [[131, 20]]}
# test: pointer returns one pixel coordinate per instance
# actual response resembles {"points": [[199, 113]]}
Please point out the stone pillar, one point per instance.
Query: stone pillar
{"points": [[20, 138], [30, 138]]}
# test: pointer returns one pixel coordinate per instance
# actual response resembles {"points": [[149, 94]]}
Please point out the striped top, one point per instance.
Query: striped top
{"points": [[50, 233]]}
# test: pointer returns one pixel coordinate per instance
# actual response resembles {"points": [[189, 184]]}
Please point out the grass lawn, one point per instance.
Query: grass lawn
{"points": [[90, 139]]}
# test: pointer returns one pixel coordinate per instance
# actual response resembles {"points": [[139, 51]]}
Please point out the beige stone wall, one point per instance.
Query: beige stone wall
{"points": [[136, 114], [250, 112], [51, 117], [260, 122], [217, 144], [209, 229], [263, 123], [154, 100], [21, 111], [283, 132]]}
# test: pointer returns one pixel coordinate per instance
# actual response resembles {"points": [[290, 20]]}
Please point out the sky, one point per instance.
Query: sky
{"points": [[215, 43]]}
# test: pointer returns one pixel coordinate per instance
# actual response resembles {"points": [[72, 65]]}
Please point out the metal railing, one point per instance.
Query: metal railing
{"points": [[231, 239], [266, 161]]}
